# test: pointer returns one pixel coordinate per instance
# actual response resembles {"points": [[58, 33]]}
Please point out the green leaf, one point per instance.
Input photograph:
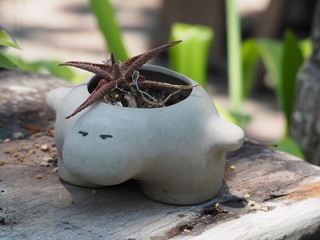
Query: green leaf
{"points": [[234, 56], [269, 51], [292, 60], [7, 40], [178, 56], [44, 66], [21, 64], [271, 55], [250, 56], [54, 69], [5, 62], [190, 57], [306, 47], [236, 118], [224, 114], [109, 28], [241, 119], [289, 145]]}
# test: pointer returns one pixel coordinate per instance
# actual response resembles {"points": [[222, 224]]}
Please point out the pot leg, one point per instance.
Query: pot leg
{"points": [[68, 177], [178, 196]]}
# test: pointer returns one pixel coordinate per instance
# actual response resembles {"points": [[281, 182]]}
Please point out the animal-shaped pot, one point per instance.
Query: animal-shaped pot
{"points": [[177, 153]]}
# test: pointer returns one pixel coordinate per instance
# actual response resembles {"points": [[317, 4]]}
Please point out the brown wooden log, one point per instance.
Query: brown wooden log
{"points": [[267, 194]]}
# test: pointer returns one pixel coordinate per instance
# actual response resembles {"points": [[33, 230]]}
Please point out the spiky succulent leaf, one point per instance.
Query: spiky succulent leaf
{"points": [[103, 70], [145, 57]]}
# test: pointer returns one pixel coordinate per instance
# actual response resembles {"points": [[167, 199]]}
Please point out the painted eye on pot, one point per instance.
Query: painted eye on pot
{"points": [[83, 133], [105, 136]]}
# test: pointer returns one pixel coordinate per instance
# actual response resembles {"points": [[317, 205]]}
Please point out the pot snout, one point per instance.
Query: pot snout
{"points": [[55, 98], [226, 136]]}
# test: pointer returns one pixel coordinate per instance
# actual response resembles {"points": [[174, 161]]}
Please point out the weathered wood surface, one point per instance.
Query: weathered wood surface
{"points": [[267, 195], [22, 98]]}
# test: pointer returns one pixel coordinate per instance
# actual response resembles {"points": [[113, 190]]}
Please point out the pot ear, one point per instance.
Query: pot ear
{"points": [[227, 136], [55, 97]]}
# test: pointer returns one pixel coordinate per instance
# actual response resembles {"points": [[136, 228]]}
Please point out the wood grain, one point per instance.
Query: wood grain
{"points": [[267, 194], [47, 208]]}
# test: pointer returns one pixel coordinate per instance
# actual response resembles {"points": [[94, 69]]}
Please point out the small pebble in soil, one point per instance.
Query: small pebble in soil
{"points": [[17, 135], [55, 169], [48, 159], [247, 195], [39, 176], [51, 132], [44, 147], [30, 152], [38, 134], [24, 147], [44, 164], [9, 150], [1, 162]]}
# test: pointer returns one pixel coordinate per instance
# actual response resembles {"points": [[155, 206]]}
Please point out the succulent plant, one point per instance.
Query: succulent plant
{"points": [[123, 83]]}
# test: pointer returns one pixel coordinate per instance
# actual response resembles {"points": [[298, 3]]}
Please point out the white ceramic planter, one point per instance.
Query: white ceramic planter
{"points": [[177, 153]]}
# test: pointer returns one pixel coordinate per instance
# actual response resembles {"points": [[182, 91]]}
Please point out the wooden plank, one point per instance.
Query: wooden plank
{"points": [[285, 221], [267, 195], [42, 208], [48, 208]]}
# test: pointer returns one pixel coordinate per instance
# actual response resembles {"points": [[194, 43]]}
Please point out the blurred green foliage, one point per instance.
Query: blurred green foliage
{"points": [[109, 28], [106, 21], [11, 61], [193, 61], [7, 40], [235, 85], [281, 59]]}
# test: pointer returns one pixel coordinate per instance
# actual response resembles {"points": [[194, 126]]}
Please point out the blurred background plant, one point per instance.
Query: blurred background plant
{"points": [[191, 56], [6, 41], [11, 61], [109, 28], [281, 57], [282, 60]]}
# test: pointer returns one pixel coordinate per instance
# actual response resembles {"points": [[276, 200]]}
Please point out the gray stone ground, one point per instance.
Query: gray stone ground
{"points": [[66, 30]]}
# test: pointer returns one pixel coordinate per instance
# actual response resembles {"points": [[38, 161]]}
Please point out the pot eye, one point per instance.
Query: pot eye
{"points": [[83, 133], [105, 136]]}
